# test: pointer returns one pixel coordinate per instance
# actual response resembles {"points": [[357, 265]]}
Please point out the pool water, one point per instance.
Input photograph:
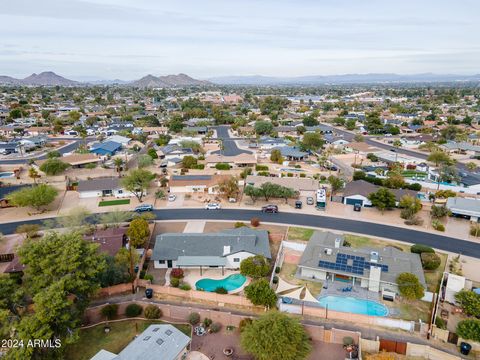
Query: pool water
{"points": [[353, 305], [291, 170], [230, 283], [6, 174]]}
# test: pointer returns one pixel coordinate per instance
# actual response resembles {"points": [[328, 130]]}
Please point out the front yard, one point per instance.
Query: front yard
{"points": [[121, 334], [299, 233], [114, 202]]}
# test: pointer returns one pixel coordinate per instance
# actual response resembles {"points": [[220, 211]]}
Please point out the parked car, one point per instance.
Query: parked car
{"points": [[310, 200], [212, 206], [143, 208], [298, 204], [357, 207], [270, 209], [148, 293], [172, 197]]}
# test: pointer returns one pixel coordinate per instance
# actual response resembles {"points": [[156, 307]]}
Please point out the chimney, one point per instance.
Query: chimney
{"points": [[337, 243]]}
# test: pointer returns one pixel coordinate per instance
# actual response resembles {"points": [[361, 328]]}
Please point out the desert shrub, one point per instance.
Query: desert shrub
{"points": [[142, 274], [207, 322], [174, 282], [244, 323], [263, 173], [289, 175], [185, 286], [469, 329], [148, 277], [409, 286], [347, 341], [215, 327], [415, 187], [255, 266], [109, 311], [437, 225], [419, 248], [199, 166], [414, 220], [323, 178], [221, 290], [302, 175], [261, 168], [430, 261], [194, 318], [222, 166], [133, 310], [255, 222], [152, 312], [438, 212], [440, 323], [239, 224], [475, 230], [177, 273]]}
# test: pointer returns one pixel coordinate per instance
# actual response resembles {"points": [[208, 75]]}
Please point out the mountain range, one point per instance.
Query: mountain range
{"points": [[49, 78], [375, 78]]}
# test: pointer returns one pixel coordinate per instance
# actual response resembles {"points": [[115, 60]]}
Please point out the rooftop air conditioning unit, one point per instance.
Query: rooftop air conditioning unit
{"points": [[374, 257], [328, 251]]}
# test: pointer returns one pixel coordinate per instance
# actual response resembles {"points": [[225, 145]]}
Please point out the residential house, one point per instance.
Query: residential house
{"points": [[102, 187], [199, 130], [111, 240], [304, 186], [292, 153], [123, 140], [356, 192], [195, 183], [225, 249], [323, 129], [327, 259], [174, 151], [107, 148], [464, 207], [241, 160], [77, 160], [9, 147], [158, 341], [268, 143]]}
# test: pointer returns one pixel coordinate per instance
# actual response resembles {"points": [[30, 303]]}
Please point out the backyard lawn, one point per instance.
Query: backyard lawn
{"points": [[121, 334], [299, 233], [433, 277], [114, 202], [287, 273], [411, 310]]}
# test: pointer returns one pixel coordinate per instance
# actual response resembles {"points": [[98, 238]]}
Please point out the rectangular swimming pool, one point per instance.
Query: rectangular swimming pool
{"points": [[353, 305]]}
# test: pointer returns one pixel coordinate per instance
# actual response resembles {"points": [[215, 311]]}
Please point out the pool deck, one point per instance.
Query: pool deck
{"points": [[335, 289], [193, 275]]}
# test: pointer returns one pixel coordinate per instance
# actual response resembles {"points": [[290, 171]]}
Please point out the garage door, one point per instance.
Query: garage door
{"points": [[354, 201]]}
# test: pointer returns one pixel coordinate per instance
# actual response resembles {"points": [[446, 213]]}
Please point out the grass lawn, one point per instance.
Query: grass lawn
{"points": [[287, 273], [412, 310], [299, 233], [114, 202], [121, 334], [364, 241]]}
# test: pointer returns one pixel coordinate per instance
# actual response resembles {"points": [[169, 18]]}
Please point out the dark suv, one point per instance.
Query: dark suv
{"points": [[270, 209]]}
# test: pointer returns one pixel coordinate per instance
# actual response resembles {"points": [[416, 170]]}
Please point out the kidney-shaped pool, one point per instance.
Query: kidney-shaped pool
{"points": [[230, 283]]}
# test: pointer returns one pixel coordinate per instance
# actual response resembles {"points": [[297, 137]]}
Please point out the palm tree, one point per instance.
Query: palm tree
{"points": [[33, 173], [118, 162]]}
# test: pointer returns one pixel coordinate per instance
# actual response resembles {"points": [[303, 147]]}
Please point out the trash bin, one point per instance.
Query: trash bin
{"points": [[465, 348]]}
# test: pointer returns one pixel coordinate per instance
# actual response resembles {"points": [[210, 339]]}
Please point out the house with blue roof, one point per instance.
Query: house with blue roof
{"points": [[106, 148]]}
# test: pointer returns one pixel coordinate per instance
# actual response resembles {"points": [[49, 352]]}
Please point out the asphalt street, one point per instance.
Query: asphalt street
{"points": [[321, 221], [230, 148]]}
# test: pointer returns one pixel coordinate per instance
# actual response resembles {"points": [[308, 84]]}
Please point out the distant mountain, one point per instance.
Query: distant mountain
{"points": [[179, 80], [341, 79], [47, 78]]}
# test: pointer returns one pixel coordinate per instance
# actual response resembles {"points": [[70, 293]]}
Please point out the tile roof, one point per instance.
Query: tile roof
{"points": [[99, 184]]}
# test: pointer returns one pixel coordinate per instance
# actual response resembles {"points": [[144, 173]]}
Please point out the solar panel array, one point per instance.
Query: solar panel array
{"points": [[357, 266]]}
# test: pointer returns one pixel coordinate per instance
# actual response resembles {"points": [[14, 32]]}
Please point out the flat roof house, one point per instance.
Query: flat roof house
{"points": [[469, 208], [157, 342], [327, 259], [241, 160], [102, 187], [356, 192], [225, 249], [106, 148], [195, 183]]}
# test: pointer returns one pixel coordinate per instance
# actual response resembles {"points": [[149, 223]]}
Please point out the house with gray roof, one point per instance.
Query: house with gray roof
{"points": [[102, 187], [225, 249], [158, 341], [327, 259], [468, 208], [292, 153], [357, 192]]}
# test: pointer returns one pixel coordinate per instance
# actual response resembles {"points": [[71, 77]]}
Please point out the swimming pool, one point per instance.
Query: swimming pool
{"points": [[6, 174], [291, 170], [230, 283], [353, 305]]}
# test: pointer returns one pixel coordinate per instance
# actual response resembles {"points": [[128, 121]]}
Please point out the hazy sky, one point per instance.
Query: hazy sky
{"points": [[127, 39]]}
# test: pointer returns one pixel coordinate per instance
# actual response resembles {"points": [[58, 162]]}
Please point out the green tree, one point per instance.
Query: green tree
{"points": [[382, 199], [409, 286], [469, 301], [335, 182], [359, 138], [255, 266], [189, 162], [438, 212], [469, 329], [152, 153], [138, 233], [75, 218], [471, 166], [312, 141], [253, 192], [54, 166], [310, 120], [144, 161], [351, 124], [263, 127], [229, 187], [286, 193], [440, 157], [33, 174], [269, 190], [191, 144], [259, 292], [276, 336], [410, 206], [36, 196], [137, 182], [276, 156], [118, 163]]}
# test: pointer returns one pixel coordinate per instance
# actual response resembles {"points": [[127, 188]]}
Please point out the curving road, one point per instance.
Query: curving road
{"points": [[230, 148], [396, 233]]}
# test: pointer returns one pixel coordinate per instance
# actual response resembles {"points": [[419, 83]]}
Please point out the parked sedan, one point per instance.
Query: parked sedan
{"points": [[212, 206], [270, 209], [172, 197], [309, 200]]}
